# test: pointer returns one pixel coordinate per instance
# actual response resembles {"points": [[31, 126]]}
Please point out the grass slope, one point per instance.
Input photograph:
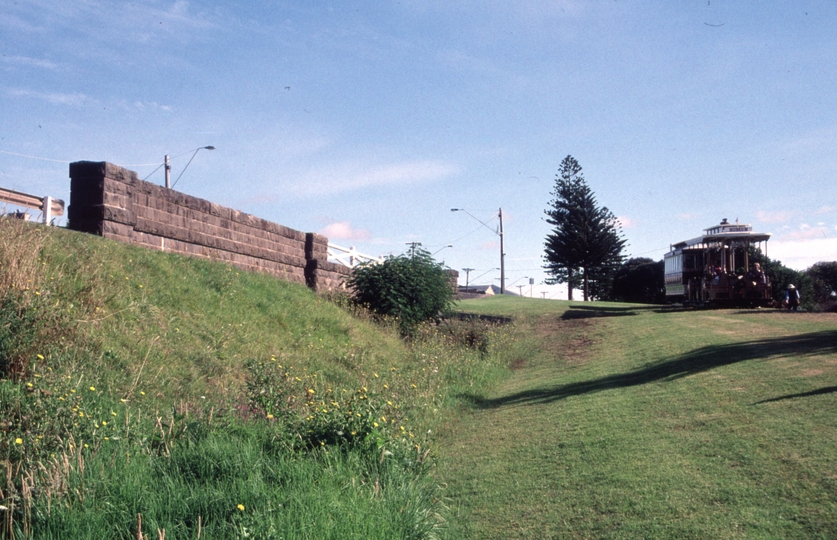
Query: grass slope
{"points": [[143, 392], [624, 421]]}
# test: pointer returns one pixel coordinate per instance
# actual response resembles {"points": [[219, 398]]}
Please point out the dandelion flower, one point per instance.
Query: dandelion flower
{"points": [[92, 388], [269, 416], [374, 424], [40, 357], [240, 507], [18, 441]]}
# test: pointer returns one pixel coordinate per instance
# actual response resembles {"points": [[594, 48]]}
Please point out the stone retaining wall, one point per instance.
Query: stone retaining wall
{"points": [[112, 202]]}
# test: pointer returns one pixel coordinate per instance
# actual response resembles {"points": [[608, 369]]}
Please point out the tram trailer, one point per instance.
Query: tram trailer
{"points": [[714, 269]]}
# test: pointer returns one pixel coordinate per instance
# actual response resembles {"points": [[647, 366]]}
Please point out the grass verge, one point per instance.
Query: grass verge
{"points": [[144, 393], [623, 421]]}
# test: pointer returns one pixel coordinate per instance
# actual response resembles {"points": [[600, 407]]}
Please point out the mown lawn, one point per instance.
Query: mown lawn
{"points": [[625, 421]]}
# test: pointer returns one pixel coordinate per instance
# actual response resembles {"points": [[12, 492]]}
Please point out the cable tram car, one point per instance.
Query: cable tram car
{"points": [[714, 269]]}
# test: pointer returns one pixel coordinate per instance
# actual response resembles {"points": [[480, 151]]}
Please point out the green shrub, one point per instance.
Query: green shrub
{"points": [[412, 289]]}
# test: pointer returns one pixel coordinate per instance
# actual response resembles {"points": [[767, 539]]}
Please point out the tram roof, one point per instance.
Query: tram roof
{"points": [[724, 232]]}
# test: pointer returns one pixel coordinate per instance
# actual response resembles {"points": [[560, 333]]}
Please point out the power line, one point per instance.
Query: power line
{"points": [[33, 157]]}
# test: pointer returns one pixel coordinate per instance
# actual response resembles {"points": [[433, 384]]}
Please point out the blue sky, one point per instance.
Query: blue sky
{"points": [[369, 121]]}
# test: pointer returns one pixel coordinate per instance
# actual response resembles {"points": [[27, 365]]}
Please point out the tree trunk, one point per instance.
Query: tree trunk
{"points": [[570, 284], [586, 288]]}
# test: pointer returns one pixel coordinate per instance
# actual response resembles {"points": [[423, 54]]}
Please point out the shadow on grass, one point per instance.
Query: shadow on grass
{"points": [[819, 391], [591, 311], [696, 361]]}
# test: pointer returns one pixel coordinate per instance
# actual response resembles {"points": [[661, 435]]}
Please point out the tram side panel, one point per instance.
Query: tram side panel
{"points": [[684, 276]]}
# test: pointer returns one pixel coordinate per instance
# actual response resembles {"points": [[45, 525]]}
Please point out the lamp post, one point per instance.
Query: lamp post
{"points": [[443, 247], [168, 166], [502, 254]]}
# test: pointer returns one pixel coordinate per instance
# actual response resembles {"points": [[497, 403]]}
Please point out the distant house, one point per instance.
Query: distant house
{"points": [[480, 291]]}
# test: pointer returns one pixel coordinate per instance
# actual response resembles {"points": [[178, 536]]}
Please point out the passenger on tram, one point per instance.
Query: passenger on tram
{"points": [[756, 275], [717, 271]]}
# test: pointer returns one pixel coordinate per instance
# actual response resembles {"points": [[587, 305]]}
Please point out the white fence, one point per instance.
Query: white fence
{"points": [[349, 256], [48, 206]]}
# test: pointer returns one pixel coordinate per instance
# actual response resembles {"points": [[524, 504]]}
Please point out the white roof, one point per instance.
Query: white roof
{"points": [[722, 233]]}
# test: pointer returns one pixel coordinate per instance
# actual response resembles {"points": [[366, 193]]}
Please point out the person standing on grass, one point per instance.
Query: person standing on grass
{"points": [[792, 298]]}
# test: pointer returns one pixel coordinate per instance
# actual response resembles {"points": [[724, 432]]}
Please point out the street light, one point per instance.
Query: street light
{"points": [[500, 234], [518, 279], [168, 166], [443, 247]]}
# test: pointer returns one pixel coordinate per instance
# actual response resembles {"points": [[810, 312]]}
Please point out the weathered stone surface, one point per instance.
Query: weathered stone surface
{"points": [[112, 202]]}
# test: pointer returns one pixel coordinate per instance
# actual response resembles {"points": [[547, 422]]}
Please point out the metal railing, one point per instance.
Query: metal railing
{"points": [[48, 206], [349, 256]]}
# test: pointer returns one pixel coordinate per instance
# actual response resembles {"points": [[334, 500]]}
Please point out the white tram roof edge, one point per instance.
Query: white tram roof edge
{"points": [[723, 231]]}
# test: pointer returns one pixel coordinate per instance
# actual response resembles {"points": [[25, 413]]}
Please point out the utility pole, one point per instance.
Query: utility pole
{"points": [[467, 276], [543, 295], [502, 258], [520, 290], [168, 172], [413, 246]]}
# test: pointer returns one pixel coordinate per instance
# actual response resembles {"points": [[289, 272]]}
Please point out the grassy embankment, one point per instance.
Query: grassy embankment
{"points": [[624, 421], [141, 390]]}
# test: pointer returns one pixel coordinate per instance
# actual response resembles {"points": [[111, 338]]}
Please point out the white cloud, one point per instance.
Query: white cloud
{"points": [[773, 217], [152, 105], [353, 176], [804, 253], [343, 230], [31, 62], [56, 98], [627, 223]]}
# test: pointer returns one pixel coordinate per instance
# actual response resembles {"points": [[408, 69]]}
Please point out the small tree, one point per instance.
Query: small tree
{"points": [[413, 288], [823, 276]]}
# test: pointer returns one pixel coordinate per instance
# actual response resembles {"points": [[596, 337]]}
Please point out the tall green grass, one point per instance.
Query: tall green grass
{"points": [[153, 395]]}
